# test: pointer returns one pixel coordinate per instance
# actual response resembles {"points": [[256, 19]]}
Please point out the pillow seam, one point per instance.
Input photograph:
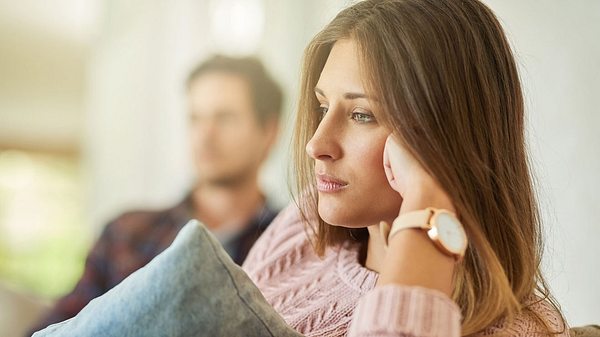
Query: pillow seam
{"points": [[212, 244]]}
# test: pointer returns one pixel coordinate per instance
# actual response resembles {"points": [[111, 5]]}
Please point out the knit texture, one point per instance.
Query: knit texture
{"points": [[315, 296], [336, 296]]}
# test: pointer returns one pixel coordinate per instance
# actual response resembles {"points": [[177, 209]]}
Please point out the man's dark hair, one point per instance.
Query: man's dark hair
{"points": [[266, 93]]}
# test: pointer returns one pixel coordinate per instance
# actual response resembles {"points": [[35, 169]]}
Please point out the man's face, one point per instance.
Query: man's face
{"points": [[228, 142]]}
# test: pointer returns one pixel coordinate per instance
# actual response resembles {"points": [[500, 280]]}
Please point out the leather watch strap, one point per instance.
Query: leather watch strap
{"points": [[423, 219], [414, 219]]}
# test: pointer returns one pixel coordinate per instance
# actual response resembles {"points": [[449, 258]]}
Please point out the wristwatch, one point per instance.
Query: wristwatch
{"points": [[442, 226]]}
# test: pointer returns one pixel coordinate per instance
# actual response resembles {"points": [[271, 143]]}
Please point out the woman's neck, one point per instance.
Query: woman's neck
{"points": [[375, 249]]}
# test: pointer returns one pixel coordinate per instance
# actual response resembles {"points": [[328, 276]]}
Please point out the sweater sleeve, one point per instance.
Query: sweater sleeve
{"points": [[403, 311]]}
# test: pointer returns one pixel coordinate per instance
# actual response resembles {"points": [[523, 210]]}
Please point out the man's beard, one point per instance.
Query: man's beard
{"points": [[229, 180]]}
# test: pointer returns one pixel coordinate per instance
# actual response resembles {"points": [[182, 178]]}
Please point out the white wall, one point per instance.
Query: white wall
{"points": [[136, 153]]}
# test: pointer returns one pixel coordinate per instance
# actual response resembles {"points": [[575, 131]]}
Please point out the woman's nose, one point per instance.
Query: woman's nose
{"points": [[324, 144]]}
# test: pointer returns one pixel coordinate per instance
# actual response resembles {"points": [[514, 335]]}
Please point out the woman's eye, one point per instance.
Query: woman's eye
{"points": [[362, 117], [322, 111]]}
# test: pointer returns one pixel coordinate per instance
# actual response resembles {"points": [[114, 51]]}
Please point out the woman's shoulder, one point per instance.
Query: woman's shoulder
{"points": [[530, 322]]}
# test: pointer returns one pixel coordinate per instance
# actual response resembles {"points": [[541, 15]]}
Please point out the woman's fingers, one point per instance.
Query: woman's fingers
{"points": [[396, 164], [387, 167]]}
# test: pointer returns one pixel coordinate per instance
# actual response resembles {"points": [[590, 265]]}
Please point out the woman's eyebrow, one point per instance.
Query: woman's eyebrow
{"points": [[320, 92], [348, 95]]}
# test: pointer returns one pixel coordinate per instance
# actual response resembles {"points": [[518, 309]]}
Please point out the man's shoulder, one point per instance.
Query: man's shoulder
{"points": [[266, 216], [142, 222]]}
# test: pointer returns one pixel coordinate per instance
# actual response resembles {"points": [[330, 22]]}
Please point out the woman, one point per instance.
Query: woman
{"points": [[409, 108]]}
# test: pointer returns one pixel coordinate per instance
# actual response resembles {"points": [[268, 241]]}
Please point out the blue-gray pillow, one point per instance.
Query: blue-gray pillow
{"points": [[192, 289]]}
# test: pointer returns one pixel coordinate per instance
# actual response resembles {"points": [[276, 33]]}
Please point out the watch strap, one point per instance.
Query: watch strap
{"points": [[420, 219], [414, 219]]}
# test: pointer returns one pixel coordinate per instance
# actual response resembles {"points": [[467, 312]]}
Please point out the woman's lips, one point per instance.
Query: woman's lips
{"points": [[329, 184]]}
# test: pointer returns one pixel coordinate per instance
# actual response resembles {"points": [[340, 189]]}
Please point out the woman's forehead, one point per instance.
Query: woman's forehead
{"points": [[341, 73]]}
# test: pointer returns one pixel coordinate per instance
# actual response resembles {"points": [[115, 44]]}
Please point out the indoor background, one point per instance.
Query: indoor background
{"points": [[93, 123]]}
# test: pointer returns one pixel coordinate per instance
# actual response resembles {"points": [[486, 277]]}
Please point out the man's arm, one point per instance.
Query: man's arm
{"points": [[92, 284]]}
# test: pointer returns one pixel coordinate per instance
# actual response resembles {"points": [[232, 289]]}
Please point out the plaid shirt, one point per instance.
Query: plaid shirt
{"points": [[131, 241]]}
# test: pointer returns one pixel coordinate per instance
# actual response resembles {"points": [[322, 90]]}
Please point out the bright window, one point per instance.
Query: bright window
{"points": [[43, 238]]}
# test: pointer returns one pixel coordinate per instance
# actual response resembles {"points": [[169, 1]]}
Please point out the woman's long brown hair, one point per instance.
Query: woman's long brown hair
{"points": [[447, 85]]}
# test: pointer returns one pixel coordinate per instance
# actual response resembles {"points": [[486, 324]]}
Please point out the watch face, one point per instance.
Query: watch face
{"points": [[450, 232]]}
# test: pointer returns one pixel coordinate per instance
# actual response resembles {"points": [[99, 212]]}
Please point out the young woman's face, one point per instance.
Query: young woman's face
{"points": [[348, 147]]}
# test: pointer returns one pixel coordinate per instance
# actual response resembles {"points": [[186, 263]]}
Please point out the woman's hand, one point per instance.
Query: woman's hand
{"points": [[408, 177], [411, 258]]}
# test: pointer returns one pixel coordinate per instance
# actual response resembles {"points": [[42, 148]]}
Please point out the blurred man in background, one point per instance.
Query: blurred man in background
{"points": [[234, 110]]}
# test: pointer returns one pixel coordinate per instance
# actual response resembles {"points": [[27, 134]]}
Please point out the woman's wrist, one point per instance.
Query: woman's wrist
{"points": [[423, 195], [412, 258]]}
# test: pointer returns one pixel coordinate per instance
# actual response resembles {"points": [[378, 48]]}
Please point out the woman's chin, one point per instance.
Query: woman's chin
{"points": [[331, 216], [338, 217]]}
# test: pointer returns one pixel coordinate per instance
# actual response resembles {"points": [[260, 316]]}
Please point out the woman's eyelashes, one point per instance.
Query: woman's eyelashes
{"points": [[363, 117], [359, 116], [322, 110]]}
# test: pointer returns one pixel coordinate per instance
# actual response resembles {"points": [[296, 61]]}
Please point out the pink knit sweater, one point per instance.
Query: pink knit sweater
{"points": [[336, 296]]}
